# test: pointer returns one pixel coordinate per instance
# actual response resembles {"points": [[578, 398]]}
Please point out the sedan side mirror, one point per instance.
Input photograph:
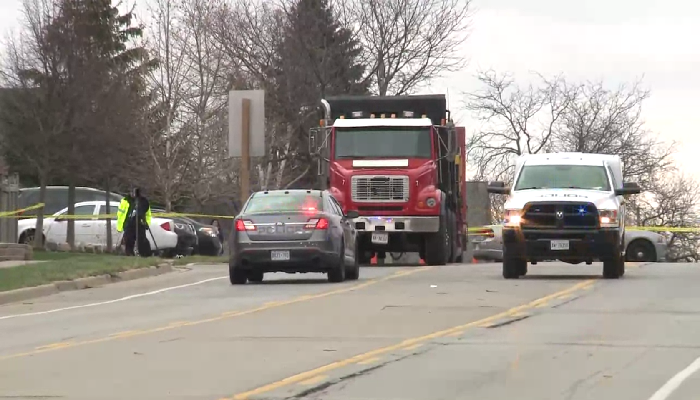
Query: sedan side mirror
{"points": [[352, 214], [628, 188], [498, 188]]}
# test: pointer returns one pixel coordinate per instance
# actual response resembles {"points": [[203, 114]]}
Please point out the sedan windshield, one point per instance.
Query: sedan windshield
{"points": [[383, 142], [589, 177]]}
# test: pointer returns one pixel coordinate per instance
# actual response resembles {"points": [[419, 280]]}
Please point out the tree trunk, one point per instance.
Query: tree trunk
{"points": [[39, 228], [70, 228], [108, 210]]}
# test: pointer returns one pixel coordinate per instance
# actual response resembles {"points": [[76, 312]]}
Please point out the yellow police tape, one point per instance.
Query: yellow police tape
{"points": [[473, 231]]}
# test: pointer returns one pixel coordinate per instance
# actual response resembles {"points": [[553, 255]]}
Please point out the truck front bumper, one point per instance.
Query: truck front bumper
{"points": [[397, 224], [543, 244]]}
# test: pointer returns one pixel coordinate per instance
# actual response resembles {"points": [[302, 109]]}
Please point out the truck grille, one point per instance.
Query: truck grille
{"points": [[379, 188], [560, 215]]}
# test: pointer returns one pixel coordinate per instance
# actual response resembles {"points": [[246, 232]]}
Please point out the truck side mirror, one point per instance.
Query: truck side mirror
{"points": [[497, 188], [628, 188]]}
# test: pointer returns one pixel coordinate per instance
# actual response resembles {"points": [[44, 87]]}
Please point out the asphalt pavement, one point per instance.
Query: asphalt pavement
{"points": [[399, 332]]}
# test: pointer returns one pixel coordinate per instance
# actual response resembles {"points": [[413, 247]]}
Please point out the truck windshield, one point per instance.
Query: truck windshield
{"points": [[383, 142], [590, 177]]}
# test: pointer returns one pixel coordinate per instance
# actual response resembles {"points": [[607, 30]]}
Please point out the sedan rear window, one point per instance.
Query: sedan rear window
{"points": [[290, 202]]}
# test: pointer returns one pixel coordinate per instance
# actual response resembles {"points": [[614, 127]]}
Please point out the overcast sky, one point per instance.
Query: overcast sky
{"points": [[618, 41]]}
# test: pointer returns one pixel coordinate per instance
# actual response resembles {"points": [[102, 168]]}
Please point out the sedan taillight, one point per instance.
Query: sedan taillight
{"points": [[166, 226]]}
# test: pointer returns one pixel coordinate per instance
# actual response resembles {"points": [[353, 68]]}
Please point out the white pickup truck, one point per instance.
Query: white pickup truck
{"points": [[568, 207], [93, 231]]}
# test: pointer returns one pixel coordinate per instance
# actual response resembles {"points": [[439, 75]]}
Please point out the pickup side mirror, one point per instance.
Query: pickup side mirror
{"points": [[352, 214], [498, 188], [628, 188]]}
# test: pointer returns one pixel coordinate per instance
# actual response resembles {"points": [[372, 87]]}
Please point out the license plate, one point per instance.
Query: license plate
{"points": [[279, 255], [380, 238], [559, 245]]}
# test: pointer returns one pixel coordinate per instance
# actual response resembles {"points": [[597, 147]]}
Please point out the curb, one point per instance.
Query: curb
{"points": [[89, 282]]}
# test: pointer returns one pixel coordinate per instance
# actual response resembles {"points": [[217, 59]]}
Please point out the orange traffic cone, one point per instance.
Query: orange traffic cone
{"points": [[374, 260]]}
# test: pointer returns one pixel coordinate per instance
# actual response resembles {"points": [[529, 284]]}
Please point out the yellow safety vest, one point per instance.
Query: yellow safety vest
{"points": [[123, 209]]}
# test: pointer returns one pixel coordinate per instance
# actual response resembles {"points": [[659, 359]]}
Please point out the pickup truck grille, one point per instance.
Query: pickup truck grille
{"points": [[560, 215], [379, 188]]}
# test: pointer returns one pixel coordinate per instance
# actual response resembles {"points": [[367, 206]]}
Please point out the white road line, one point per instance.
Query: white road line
{"points": [[674, 383], [102, 303]]}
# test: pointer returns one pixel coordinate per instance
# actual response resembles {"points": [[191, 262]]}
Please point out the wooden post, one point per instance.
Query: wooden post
{"points": [[245, 151]]}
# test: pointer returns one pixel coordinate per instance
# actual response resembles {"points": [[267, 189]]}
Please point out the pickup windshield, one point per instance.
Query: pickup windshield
{"points": [[383, 142], [588, 177]]}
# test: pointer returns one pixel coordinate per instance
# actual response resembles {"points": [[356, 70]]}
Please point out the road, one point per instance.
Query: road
{"points": [[409, 333]]}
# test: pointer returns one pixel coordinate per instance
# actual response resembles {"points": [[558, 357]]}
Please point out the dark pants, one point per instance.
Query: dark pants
{"points": [[130, 239]]}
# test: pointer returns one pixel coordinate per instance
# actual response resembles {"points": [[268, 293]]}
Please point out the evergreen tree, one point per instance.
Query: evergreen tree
{"points": [[317, 57]]}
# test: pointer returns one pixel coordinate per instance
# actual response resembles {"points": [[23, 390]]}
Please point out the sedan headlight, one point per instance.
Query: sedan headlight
{"points": [[608, 218], [513, 217]]}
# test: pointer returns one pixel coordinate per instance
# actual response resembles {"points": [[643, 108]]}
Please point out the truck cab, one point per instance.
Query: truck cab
{"points": [[565, 206], [396, 160]]}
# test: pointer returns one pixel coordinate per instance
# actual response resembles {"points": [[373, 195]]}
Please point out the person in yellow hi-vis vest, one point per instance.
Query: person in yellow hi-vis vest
{"points": [[133, 218]]}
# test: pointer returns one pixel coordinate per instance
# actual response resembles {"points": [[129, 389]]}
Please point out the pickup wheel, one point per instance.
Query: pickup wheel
{"points": [[614, 268], [514, 268], [437, 245]]}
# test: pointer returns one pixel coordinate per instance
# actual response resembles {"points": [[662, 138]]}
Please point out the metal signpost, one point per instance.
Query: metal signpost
{"points": [[246, 116]]}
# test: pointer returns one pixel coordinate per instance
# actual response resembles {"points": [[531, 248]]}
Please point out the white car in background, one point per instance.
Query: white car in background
{"points": [[93, 231]]}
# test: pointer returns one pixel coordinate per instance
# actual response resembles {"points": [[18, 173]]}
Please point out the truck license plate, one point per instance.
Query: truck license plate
{"points": [[380, 238], [560, 245], [279, 255]]}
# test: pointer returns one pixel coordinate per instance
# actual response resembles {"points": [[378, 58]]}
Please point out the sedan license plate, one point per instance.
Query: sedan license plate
{"points": [[559, 245], [276, 255], [380, 238]]}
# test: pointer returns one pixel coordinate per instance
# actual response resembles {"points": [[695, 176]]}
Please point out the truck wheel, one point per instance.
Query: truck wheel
{"points": [[614, 268], [452, 221], [514, 268], [437, 245]]}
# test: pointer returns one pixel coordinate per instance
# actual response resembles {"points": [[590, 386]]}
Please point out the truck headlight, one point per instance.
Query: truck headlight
{"points": [[608, 217], [513, 217], [430, 202]]}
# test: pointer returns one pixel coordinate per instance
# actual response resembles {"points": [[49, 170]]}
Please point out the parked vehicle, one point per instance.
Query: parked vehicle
{"points": [[208, 243], [91, 230], [293, 231], [186, 235], [640, 246], [56, 198]]}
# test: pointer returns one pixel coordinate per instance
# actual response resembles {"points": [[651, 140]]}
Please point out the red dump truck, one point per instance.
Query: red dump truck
{"points": [[398, 161]]}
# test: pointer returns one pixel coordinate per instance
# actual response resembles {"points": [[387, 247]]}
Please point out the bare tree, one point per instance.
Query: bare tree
{"points": [[32, 113], [206, 101], [169, 143], [407, 43], [515, 121]]}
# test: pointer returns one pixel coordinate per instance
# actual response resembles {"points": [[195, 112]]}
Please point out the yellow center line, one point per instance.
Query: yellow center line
{"points": [[223, 316], [405, 344], [314, 380]]}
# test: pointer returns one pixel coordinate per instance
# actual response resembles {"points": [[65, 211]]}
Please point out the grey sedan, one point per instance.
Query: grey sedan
{"points": [[293, 231], [640, 246]]}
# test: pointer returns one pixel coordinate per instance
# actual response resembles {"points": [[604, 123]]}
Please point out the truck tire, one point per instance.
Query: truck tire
{"points": [[452, 224], [614, 268], [437, 246]]}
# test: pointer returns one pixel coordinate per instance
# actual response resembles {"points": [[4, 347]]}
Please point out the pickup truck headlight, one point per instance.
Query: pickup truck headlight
{"points": [[513, 217], [608, 218]]}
